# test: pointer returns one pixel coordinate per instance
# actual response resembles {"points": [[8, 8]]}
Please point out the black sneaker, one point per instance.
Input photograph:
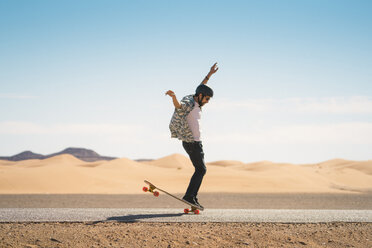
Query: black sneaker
{"points": [[197, 203], [190, 200]]}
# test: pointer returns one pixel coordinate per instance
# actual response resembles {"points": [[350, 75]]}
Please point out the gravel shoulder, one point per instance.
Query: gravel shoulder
{"points": [[112, 234]]}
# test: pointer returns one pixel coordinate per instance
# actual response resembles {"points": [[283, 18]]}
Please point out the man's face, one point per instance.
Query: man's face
{"points": [[205, 99]]}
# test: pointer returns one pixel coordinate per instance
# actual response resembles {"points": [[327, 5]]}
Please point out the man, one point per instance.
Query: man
{"points": [[186, 127]]}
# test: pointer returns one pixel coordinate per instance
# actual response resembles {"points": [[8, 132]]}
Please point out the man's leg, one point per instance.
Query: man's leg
{"points": [[196, 154]]}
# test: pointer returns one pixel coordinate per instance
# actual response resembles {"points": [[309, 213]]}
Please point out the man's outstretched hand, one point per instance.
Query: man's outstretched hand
{"points": [[170, 93], [214, 68], [176, 104]]}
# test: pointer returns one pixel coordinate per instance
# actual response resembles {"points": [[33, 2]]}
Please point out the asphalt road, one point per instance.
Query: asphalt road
{"points": [[176, 215], [209, 200]]}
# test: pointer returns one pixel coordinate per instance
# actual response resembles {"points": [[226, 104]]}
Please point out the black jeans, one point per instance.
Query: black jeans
{"points": [[196, 154]]}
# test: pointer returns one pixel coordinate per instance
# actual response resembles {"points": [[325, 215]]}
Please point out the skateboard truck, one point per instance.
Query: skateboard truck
{"points": [[193, 209], [151, 189]]}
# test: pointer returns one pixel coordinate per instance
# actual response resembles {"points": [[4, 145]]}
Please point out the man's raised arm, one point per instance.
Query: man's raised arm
{"points": [[176, 104], [213, 70]]}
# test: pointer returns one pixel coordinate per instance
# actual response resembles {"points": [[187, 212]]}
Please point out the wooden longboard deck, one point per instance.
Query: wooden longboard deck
{"points": [[175, 197]]}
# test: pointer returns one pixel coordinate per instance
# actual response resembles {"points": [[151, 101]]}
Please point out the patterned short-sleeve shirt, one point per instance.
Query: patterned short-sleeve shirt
{"points": [[178, 126]]}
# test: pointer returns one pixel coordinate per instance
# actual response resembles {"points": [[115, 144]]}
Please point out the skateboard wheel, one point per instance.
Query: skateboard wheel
{"points": [[145, 189], [196, 211], [186, 210], [156, 193]]}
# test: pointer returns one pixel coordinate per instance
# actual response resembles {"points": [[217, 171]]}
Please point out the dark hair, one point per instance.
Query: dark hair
{"points": [[204, 90]]}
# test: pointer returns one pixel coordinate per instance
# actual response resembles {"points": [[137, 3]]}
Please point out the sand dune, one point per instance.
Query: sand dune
{"points": [[346, 174], [341, 164], [176, 161], [226, 163], [67, 174], [363, 166]]}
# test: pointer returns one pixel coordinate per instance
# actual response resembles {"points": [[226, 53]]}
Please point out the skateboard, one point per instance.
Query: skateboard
{"points": [[194, 208]]}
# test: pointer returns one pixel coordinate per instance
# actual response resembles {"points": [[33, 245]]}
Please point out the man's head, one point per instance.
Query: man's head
{"points": [[203, 93]]}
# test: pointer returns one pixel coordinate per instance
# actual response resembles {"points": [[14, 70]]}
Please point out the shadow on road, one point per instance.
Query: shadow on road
{"points": [[137, 217]]}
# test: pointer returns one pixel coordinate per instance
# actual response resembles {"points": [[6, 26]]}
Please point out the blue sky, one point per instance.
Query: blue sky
{"points": [[294, 85]]}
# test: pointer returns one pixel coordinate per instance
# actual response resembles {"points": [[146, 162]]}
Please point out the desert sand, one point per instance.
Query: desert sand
{"points": [[66, 174], [65, 181]]}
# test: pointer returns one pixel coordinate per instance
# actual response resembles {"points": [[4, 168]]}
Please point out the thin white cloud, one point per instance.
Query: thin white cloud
{"points": [[340, 133], [29, 128], [16, 96], [326, 105]]}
